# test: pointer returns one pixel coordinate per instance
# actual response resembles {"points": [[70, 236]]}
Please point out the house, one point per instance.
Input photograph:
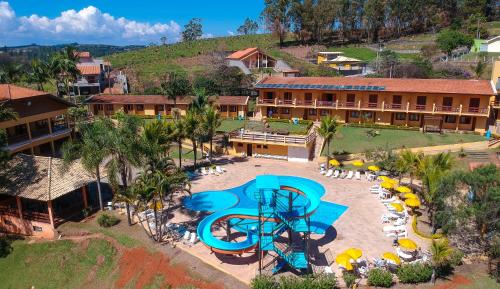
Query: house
{"points": [[344, 65], [38, 194], [154, 105], [253, 58], [430, 104], [495, 79], [491, 45], [42, 125]]}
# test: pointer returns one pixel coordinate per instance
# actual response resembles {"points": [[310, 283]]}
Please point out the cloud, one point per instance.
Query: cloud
{"points": [[89, 25], [230, 33], [207, 35]]}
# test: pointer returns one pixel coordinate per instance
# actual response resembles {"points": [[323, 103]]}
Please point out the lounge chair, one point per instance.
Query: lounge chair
{"points": [[204, 171], [109, 206], [403, 255], [336, 174], [192, 239], [342, 175], [393, 228], [390, 200], [400, 222], [403, 234], [385, 195], [327, 270], [350, 175], [185, 238], [363, 271], [358, 175], [211, 171], [329, 173], [322, 171], [218, 169]]}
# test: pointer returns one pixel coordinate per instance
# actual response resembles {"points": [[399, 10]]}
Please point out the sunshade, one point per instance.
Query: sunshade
{"points": [[357, 163], [403, 189], [407, 244], [410, 196], [387, 185], [384, 178], [344, 261], [391, 258], [412, 202], [355, 253], [373, 168], [398, 207], [334, 162]]}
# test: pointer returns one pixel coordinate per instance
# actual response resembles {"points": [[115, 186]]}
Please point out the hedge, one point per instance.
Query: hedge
{"points": [[414, 273]]}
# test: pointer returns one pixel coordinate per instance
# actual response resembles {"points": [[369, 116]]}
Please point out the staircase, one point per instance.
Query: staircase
{"points": [[494, 142]]}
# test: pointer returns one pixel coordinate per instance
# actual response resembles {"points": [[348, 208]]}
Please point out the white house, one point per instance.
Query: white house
{"points": [[491, 45]]}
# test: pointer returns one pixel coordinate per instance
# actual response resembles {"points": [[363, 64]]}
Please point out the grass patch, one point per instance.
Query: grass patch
{"points": [[480, 282], [186, 153], [229, 125], [356, 140], [58, 264]]}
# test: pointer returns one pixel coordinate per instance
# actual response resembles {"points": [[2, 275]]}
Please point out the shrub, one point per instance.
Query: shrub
{"points": [[324, 281], [106, 220], [263, 282], [349, 279], [379, 277], [414, 273]]}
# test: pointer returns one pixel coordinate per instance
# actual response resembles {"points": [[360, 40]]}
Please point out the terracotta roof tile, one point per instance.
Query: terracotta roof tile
{"points": [[85, 54], [89, 69], [9, 91], [136, 99], [446, 86], [231, 100], [242, 53]]}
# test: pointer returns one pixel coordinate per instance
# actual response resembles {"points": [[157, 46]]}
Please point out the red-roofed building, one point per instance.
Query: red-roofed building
{"points": [[250, 58], [431, 104]]}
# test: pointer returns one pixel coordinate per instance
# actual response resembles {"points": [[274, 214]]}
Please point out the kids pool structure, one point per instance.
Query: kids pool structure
{"points": [[263, 210]]}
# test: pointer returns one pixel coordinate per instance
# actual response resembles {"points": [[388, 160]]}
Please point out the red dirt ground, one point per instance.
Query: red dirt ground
{"points": [[456, 281], [143, 266]]}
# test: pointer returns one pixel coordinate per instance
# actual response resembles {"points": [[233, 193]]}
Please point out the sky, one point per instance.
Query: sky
{"points": [[117, 22]]}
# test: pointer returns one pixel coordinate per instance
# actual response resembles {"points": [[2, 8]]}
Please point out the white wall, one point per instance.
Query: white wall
{"points": [[298, 154], [492, 47]]}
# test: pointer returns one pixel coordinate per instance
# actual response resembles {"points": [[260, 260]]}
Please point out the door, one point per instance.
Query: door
{"points": [[249, 149]]}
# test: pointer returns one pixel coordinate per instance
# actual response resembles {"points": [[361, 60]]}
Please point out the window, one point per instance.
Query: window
{"points": [[98, 106], [372, 98], [285, 110], [233, 108], [329, 96], [109, 107], [308, 96], [400, 116], [259, 146], [414, 117], [264, 146], [128, 107], [465, 119], [396, 99], [159, 107], [368, 115], [287, 95], [474, 102], [139, 107], [450, 119], [311, 111], [354, 114], [269, 95], [351, 97], [324, 112], [223, 108], [447, 101], [421, 100]]}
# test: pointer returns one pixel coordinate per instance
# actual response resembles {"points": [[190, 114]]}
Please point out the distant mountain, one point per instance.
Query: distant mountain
{"points": [[45, 51]]}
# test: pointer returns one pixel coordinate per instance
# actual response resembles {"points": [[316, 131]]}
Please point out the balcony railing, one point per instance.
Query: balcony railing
{"points": [[326, 103], [264, 100], [396, 106], [420, 107], [39, 132], [16, 145], [272, 138], [370, 105], [496, 103], [447, 108], [17, 138], [477, 110]]}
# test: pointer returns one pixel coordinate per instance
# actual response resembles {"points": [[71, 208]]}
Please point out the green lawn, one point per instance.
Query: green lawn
{"points": [[229, 125], [59, 264], [186, 153], [356, 140]]}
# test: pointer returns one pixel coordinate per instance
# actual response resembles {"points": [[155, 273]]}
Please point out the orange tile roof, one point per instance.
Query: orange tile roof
{"points": [[135, 99], [89, 69], [85, 54], [242, 53], [231, 100], [445, 86], [9, 91]]}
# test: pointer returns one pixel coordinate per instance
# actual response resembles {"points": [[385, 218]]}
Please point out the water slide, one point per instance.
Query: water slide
{"points": [[304, 187]]}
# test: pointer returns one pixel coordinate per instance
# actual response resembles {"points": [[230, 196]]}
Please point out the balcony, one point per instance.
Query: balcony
{"points": [[373, 105], [450, 109], [24, 141], [394, 106], [265, 101], [326, 103], [477, 110], [251, 136], [496, 104]]}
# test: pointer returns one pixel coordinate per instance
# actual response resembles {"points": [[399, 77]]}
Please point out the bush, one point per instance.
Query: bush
{"points": [[263, 282], [380, 278], [106, 220], [414, 273], [349, 279]]}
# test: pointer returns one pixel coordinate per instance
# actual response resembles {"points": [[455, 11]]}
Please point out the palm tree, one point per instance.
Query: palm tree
{"points": [[328, 129], [211, 121], [408, 163], [125, 149], [91, 149], [11, 73], [441, 252], [6, 113], [178, 135], [39, 73], [157, 136], [63, 67], [191, 124], [177, 85]]}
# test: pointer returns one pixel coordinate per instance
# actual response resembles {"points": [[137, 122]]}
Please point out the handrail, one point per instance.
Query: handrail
{"points": [[265, 137]]}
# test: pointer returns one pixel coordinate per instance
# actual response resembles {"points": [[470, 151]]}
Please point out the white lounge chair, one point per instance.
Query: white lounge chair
{"points": [[327, 270], [329, 173], [192, 239], [387, 229], [390, 200], [218, 169], [336, 174], [185, 238], [211, 171], [358, 175], [400, 222], [204, 171], [342, 175], [403, 255], [403, 234], [350, 175]]}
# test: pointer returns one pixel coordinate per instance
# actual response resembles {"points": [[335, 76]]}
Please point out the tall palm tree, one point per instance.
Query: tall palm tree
{"points": [[6, 113], [157, 137], [125, 149], [328, 129], [91, 149], [211, 121], [39, 73], [179, 135], [177, 85], [407, 163], [441, 252], [63, 67], [191, 125]]}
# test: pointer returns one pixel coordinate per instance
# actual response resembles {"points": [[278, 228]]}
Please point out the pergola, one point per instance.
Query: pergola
{"points": [[433, 123]]}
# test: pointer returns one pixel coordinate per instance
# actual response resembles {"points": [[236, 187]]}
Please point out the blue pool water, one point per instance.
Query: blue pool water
{"points": [[211, 201]]}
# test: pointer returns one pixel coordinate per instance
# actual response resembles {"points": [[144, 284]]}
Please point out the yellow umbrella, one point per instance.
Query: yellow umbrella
{"points": [[391, 258], [158, 206], [387, 185], [403, 189], [373, 168], [334, 163], [384, 178], [407, 244], [410, 196], [344, 261], [412, 202], [357, 163], [398, 207], [355, 253]]}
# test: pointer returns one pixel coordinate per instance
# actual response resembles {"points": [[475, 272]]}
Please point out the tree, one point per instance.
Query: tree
{"points": [[156, 138], [441, 252], [78, 114], [11, 73], [408, 163], [6, 113], [211, 121], [63, 68], [176, 86], [178, 136], [277, 16], [248, 27], [448, 40], [192, 30], [124, 153], [375, 16], [388, 61], [328, 129], [91, 149], [39, 73], [479, 68], [191, 124], [163, 40]]}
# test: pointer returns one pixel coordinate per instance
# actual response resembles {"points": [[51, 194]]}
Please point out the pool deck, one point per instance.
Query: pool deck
{"points": [[360, 226]]}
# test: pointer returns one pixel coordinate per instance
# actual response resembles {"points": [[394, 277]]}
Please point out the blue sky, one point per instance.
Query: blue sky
{"points": [[117, 22]]}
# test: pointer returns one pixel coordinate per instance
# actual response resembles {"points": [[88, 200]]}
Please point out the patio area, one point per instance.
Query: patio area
{"points": [[360, 226]]}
